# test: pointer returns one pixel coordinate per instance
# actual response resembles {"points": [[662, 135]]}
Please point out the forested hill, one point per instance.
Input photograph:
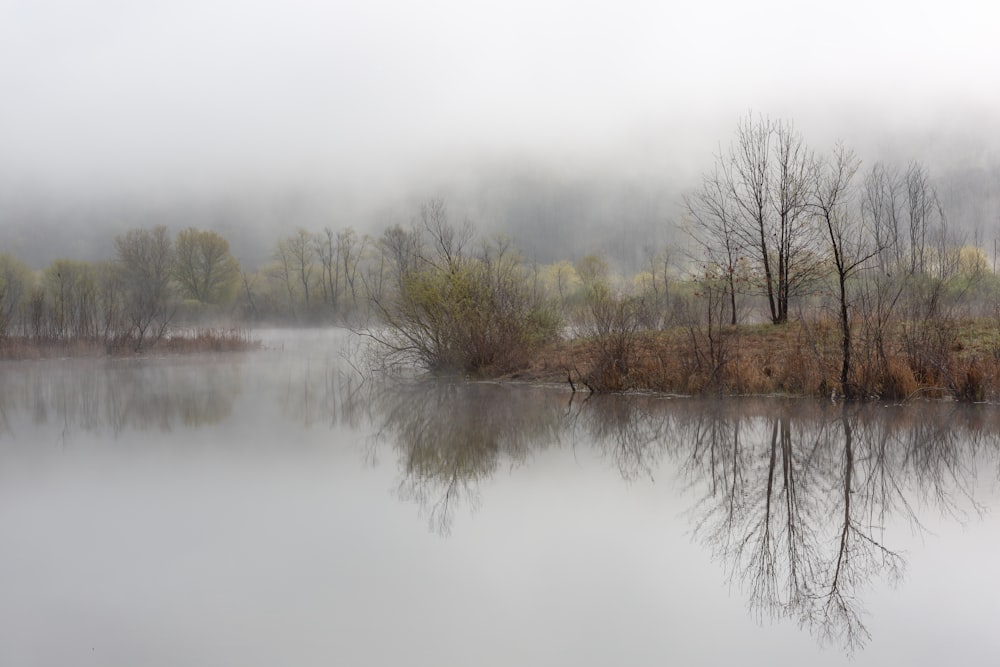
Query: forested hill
{"points": [[551, 215]]}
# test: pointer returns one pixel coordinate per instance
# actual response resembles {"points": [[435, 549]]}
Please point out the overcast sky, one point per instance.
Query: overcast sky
{"points": [[201, 95]]}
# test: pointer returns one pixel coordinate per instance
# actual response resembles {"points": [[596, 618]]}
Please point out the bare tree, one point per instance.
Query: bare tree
{"points": [[848, 242], [72, 296], [882, 213], [326, 251], [881, 208], [248, 281], [447, 240], [747, 177], [921, 205], [349, 251], [301, 251], [402, 247], [146, 259], [295, 260], [766, 175], [713, 211], [793, 177], [283, 271]]}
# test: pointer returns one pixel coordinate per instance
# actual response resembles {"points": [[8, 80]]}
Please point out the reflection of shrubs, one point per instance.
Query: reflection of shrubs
{"points": [[452, 437], [110, 396]]}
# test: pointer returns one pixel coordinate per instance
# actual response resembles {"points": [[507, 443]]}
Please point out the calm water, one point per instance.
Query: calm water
{"points": [[274, 508]]}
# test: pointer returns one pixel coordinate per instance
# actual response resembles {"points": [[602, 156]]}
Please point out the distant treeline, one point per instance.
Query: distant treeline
{"points": [[156, 281], [129, 302]]}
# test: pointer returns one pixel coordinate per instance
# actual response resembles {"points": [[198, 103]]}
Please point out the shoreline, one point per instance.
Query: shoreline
{"points": [[794, 360], [195, 341]]}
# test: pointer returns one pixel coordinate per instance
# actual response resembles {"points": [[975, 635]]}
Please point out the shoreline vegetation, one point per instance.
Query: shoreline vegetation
{"points": [[808, 277], [802, 273], [180, 341], [797, 359]]}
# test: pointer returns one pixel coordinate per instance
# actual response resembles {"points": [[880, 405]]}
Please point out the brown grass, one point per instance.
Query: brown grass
{"points": [[796, 358], [17, 347], [209, 340], [188, 342]]}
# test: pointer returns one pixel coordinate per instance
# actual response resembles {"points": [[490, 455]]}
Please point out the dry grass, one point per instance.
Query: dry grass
{"points": [[796, 358], [209, 340], [18, 347], [187, 342]]}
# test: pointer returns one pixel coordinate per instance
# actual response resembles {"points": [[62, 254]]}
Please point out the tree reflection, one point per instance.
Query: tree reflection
{"points": [[115, 395], [796, 499], [451, 437], [633, 430], [318, 393], [797, 506]]}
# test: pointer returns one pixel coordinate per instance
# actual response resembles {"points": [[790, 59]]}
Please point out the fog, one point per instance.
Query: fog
{"points": [[583, 122]]}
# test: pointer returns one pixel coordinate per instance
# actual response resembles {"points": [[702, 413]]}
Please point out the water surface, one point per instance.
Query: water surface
{"points": [[277, 508]]}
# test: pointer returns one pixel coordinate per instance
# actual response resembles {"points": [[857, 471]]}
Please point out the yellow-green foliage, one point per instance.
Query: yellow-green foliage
{"points": [[470, 315], [560, 281], [204, 269]]}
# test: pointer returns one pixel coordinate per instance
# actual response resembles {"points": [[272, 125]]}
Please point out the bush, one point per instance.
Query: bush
{"points": [[455, 313]]}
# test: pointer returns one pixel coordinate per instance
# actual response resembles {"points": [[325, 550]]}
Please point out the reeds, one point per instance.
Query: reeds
{"points": [[191, 341]]}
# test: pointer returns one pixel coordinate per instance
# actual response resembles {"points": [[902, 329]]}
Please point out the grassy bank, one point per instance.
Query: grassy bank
{"points": [[960, 360]]}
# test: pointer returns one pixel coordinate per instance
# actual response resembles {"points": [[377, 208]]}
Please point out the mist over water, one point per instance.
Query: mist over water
{"points": [[275, 507]]}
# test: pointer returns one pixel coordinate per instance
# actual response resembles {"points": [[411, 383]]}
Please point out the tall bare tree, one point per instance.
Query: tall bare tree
{"points": [[881, 207], [146, 259], [766, 176], [72, 296], [849, 243], [921, 207], [349, 251], [792, 177], [294, 258], [714, 215], [326, 251]]}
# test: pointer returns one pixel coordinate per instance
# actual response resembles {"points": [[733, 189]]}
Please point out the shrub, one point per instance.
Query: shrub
{"points": [[456, 313]]}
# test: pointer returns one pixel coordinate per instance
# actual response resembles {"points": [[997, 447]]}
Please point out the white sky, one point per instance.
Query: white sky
{"points": [[109, 94]]}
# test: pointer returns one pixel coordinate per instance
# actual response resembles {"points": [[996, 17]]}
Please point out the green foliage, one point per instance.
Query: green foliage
{"points": [[592, 270], [455, 313], [204, 269], [468, 318]]}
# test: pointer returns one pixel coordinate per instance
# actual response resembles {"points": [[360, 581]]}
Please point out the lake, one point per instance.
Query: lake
{"points": [[278, 508]]}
